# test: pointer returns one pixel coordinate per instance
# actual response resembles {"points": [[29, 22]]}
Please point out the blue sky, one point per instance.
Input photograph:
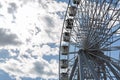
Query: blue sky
{"points": [[30, 33]]}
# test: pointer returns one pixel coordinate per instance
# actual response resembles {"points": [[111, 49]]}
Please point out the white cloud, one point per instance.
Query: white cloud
{"points": [[47, 50], [31, 68], [34, 23]]}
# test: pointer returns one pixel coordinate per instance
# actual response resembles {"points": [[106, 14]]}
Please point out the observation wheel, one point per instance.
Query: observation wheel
{"points": [[90, 41]]}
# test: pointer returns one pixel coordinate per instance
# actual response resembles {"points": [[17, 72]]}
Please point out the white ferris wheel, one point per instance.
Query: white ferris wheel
{"points": [[90, 41]]}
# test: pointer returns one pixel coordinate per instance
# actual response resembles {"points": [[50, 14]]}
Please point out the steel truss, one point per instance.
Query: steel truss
{"points": [[90, 41]]}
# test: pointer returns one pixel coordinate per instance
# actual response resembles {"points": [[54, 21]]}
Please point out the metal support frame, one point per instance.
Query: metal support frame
{"points": [[80, 62], [89, 64]]}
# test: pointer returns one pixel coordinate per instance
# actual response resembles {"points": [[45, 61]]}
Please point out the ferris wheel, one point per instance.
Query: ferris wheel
{"points": [[90, 41]]}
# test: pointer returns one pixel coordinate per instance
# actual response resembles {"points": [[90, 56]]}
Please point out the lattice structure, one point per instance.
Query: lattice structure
{"points": [[90, 41]]}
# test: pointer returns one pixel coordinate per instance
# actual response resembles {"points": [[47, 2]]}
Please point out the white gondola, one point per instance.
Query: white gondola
{"points": [[66, 36], [69, 23], [64, 63], [72, 10], [65, 50], [64, 76], [76, 1]]}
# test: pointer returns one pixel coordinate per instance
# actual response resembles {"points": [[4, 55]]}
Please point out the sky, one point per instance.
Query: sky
{"points": [[29, 38]]}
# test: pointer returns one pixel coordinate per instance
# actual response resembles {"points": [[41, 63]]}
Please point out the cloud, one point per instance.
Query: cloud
{"points": [[49, 21], [30, 68], [7, 38], [43, 70], [47, 50], [0, 5], [12, 8], [33, 27]]}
